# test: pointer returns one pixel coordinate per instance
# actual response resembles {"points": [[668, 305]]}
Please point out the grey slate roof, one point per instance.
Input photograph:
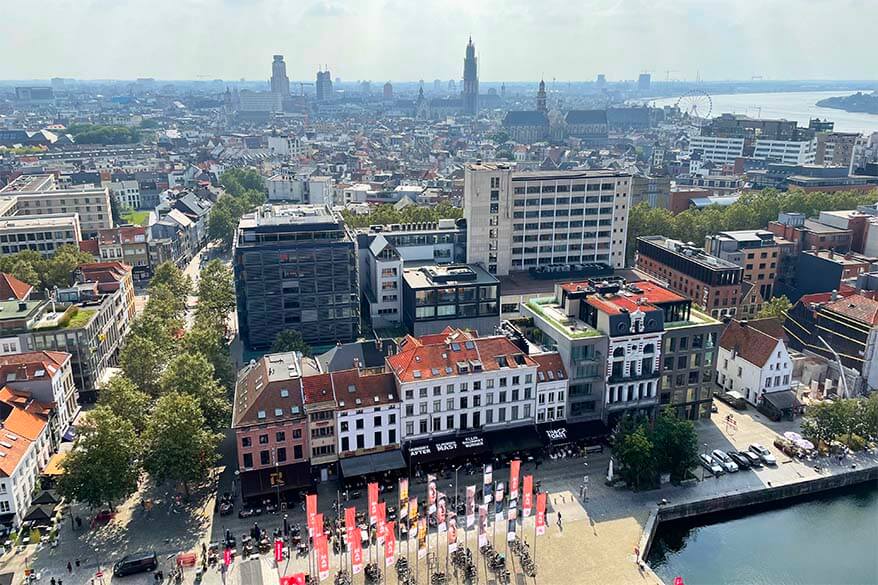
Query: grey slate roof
{"points": [[525, 118], [586, 117]]}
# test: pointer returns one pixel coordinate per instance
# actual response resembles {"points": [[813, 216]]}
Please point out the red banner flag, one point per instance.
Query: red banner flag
{"points": [[278, 550], [373, 503], [514, 470], [541, 513], [389, 544], [322, 557], [356, 544], [318, 525], [227, 557], [527, 496], [297, 579], [350, 522], [311, 509], [382, 523]]}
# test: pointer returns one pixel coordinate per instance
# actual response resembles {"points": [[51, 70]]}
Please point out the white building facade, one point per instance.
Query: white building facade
{"points": [[717, 149], [792, 152], [752, 363]]}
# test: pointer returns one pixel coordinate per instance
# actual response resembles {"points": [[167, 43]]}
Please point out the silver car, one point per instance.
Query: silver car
{"points": [[728, 465]]}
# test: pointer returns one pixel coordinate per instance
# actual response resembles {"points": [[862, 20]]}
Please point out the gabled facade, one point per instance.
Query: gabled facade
{"points": [[752, 362]]}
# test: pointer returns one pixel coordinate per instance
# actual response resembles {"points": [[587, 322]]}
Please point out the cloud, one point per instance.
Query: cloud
{"points": [[425, 39]]}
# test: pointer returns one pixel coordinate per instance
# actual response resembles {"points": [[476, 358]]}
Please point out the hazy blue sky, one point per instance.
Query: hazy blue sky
{"points": [[413, 39]]}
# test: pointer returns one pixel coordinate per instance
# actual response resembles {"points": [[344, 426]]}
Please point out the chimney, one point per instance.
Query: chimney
{"points": [[743, 322], [22, 306], [834, 295], [357, 363]]}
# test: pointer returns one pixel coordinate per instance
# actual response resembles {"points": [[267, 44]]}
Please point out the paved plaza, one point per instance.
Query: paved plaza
{"points": [[596, 544]]}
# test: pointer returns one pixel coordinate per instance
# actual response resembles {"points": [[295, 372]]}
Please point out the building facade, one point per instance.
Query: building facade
{"points": [[521, 220], [752, 362], [296, 268]]}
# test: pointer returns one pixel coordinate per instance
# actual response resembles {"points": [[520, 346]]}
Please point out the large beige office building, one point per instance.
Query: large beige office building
{"points": [[39, 195], [519, 220], [43, 234]]}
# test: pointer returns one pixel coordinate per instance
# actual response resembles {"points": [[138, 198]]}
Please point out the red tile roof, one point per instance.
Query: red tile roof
{"points": [[26, 366], [856, 307], [21, 429], [317, 389], [354, 389], [12, 289], [549, 367], [749, 343], [650, 294], [91, 246], [255, 393], [418, 360]]}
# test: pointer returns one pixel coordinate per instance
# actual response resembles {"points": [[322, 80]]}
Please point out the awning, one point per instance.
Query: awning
{"points": [[40, 514], [783, 400], [508, 440], [46, 497], [372, 463], [53, 467], [259, 482], [587, 429]]}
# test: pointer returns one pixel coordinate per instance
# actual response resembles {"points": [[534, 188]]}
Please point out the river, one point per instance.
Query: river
{"points": [[799, 106], [827, 539]]}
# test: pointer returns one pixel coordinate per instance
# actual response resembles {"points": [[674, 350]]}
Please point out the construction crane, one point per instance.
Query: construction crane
{"points": [[302, 85]]}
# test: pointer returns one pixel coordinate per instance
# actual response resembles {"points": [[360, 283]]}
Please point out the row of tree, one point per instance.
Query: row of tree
{"points": [[645, 449], [244, 191], [164, 413], [853, 421], [752, 211], [101, 134], [385, 214], [45, 273]]}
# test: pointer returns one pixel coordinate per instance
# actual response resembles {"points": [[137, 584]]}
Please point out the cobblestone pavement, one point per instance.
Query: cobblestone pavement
{"points": [[596, 544]]}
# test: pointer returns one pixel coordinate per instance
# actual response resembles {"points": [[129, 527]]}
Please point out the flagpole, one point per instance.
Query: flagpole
{"points": [[535, 538]]}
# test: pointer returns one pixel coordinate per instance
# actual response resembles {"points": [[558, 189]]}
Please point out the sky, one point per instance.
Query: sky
{"points": [[407, 40]]}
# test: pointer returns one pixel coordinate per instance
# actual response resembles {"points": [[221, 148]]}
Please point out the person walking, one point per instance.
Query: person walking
{"points": [[69, 567], [561, 528]]}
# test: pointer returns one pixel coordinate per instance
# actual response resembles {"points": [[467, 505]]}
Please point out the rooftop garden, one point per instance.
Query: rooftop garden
{"points": [[537, 305]]}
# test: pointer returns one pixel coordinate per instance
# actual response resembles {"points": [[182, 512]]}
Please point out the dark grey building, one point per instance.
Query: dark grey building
{"points": [[461, 295], [296, 268]]}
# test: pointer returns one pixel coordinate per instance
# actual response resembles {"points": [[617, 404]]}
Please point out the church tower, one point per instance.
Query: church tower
{"points": [[541, 98], [470, 81]]}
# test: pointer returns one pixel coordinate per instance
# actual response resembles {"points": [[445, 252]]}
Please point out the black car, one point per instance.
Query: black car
{"points": [[743, 462], [137, 563]]}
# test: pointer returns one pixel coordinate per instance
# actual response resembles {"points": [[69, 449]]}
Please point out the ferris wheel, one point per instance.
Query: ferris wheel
{"points": [[696, 105]]}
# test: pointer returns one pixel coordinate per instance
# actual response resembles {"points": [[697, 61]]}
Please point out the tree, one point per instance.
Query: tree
{"points": [[821, 424], [675, 445], [126, 400], [290, 340], [216, 294], [143, 361], [775, 308], [192, 374], [103, 467], [169, 274], [870, 417], [202, 338], [849, 414], [166, 306], [635, 453], [59, 270], [25, 272], [177, 446], [221, 225]]}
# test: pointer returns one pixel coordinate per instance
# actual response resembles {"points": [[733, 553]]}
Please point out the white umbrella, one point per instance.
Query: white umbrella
{"points": [[805, 444], [794, 437], [610, 471]]}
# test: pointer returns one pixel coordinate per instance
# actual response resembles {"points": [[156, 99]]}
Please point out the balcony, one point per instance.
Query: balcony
{"points": [[642, 403]]}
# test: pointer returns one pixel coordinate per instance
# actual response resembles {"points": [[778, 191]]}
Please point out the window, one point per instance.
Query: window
{"points": [[280, 436], [263, 439], [489, 416], [377, 438], [409, 428], [297, 452], [265, 457], [248, 461], [361, 442], [281, 454], [359, 424], [345, 444], [246, 442]]}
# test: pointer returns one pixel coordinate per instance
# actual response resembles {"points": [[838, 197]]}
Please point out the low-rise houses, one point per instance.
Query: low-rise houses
{"points": [[752, 362]]}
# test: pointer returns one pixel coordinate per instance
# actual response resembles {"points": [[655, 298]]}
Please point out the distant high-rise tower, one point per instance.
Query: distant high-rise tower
{"points": [[437, 85], [470, 80], [541, 98], [502, 90], [601, 80], [388, 91], [324, 85], [280, 83], [644, 81]]}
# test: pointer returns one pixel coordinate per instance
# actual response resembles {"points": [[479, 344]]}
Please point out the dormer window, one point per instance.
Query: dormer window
{"points": [[260, 414], [278, 412], [284, 393]]}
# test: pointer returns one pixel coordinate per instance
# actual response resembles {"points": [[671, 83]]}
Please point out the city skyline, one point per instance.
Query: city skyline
{"points": [[620, 38]]}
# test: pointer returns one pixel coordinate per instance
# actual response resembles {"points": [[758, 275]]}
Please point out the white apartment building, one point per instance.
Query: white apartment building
{"points": [[792, 152], [368, 418], [382, 282], [90, 203], [45, 377], [260, 101], [126, 193], [752, 362], [284, 145], [519, 220], [25, 449], [300, 187], [717, 149], [453, 382], [357, 193], [41, 233]]}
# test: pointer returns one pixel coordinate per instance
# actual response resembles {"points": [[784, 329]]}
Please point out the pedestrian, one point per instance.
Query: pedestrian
{"points": [[77, 563], [559, 522], [69, 567], [52, 582]]}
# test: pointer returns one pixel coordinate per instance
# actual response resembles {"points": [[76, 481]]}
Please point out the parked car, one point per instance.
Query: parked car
{"points": [[136, 563], [764, 454], [709, 464], [724, 460], [740, 460], [752, 457]]}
